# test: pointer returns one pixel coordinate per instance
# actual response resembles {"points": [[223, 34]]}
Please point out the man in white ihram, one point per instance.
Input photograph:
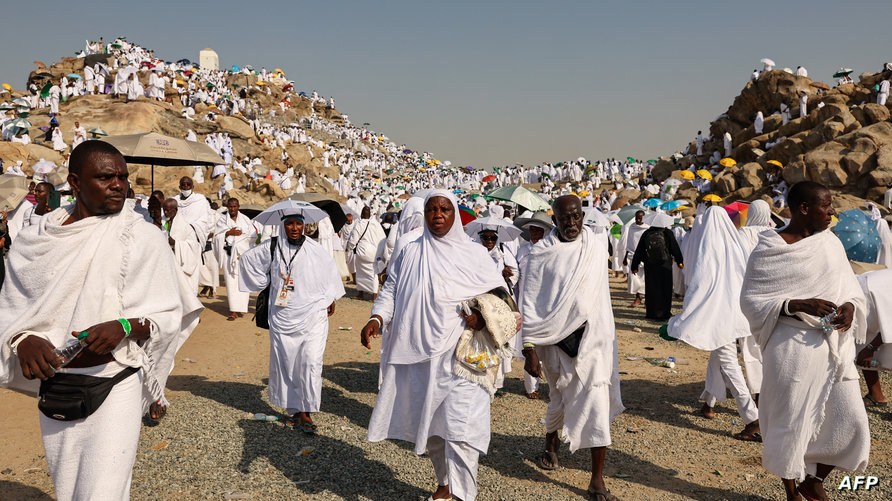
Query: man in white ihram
{"points": [[568, 327], [628, 242], [234, 235], [807, 311], [114, 278], [366, 244]]}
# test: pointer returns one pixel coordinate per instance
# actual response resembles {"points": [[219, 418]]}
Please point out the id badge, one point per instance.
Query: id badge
{"points": [[282, 297]]}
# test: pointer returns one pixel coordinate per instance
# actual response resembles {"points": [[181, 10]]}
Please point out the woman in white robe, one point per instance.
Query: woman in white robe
{"points": [[421, 400], [758, 220], [304, 283], [711, 319]]}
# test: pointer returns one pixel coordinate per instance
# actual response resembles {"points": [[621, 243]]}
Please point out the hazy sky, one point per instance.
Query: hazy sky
{"points": [[490, 83]]}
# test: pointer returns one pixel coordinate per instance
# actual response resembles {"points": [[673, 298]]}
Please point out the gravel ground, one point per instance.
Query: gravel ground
{"points": [[210, 447]]}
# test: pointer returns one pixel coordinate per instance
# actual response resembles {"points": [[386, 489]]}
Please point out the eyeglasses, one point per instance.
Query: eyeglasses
{"points": [[488, 238]]}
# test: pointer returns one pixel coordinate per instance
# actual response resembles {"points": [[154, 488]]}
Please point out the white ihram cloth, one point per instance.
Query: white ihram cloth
{"points": [[758, 220], [420, 396], [366, 244], [711, 318], [810, 410], [196, 210], [628, 242], [299, 330], [564, 285], [877, 287], [126, 266], [237, 298], [187, 249], [209, 273]]}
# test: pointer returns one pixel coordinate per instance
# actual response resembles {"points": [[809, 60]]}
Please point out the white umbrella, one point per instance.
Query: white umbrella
{"points": [[504, 229], [43, 167], [273, 215], [659, 220], [594, 217], [767, 61]]}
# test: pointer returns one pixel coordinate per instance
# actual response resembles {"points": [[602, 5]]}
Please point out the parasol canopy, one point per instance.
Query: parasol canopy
{"points": [[7, 86], [704, 174], [674, 205], [74, 76], [521, 196], [13, 190], [43, 167], [97, 131], [273, 215], [775, 162], [659, 220], [466, 213], [627, 213], [842, 72], [738, 212], [331, 207], [712, 197], [489, 178], [504, 229], [767, 61], [727, 162], [686, 174], [859, 236], [651, 203], [594, 217], [153, 149]]}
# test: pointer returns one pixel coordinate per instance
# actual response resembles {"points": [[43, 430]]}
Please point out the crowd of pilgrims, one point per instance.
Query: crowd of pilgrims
{"points": [[455, 300]]}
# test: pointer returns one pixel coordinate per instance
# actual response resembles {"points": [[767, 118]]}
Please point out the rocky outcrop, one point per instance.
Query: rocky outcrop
{"points": [[845, 140]]}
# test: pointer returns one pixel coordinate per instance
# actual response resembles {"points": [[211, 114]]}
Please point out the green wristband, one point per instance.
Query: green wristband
{"points": [[126, 325]]}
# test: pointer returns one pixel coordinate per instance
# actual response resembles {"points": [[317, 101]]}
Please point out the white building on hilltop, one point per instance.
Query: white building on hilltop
{"points": [[208, 59]]}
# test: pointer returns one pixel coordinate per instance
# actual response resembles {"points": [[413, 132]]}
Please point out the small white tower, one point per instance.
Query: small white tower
{"points": [[208, 59]]}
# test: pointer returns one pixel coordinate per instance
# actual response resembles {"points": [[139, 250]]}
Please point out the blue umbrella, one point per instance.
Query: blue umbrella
{"points": [[304, 94], [859, 236], [458, 192], [236, 68], [671, 205], [652, 202]]}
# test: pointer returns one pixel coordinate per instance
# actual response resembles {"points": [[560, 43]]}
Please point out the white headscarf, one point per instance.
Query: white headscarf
{"points": [[758, 219], [411, 217], [715, 260], [433, 276]]}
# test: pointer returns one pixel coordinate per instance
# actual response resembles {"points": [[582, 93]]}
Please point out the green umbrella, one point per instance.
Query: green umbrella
{"points": [[627, 213], [630, 159], [842, 72], [651, 161], [45, 90], [521, 196]]}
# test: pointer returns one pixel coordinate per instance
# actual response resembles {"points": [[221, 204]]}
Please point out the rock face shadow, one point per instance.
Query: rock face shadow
{"points": [[14, 490]]}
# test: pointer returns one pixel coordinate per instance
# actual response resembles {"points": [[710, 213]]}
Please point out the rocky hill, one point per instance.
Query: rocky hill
{"points": [[116, 116], [844, 141]]}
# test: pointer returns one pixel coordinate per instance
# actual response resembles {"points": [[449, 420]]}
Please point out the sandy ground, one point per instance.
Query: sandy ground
{"points": [[219, 382]]}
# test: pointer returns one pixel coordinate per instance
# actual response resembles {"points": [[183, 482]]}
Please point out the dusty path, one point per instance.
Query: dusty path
{"points": [[210, 448]]}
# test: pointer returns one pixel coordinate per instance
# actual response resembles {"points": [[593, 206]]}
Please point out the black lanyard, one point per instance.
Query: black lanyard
{"points": [[300, 243]]}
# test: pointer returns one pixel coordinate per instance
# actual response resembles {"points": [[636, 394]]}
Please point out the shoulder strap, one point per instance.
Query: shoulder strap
{"points": [[272, 249], [360, 236]]}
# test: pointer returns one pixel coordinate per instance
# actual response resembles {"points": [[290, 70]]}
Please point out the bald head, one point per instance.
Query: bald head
{"points": [[568, 217], [170, 208]]}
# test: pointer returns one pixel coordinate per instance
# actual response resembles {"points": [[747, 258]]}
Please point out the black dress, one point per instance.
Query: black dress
{"points": [[656, 249]]}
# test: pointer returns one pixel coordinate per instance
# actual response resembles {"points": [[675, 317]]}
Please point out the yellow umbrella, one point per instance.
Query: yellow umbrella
{"points": [[705, 174], [583, 193], [181, 82], [574, 193], [261, 83], [686, 174], [727, 162], [775, 162], [7, 86], [712, 198], [278, 70]]}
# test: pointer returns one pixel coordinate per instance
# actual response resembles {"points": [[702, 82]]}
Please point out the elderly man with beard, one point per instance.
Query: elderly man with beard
{"points": [[568, 326]]}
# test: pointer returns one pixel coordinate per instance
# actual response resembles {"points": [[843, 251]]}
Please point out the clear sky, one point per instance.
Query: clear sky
{"points": [[490, 82]]}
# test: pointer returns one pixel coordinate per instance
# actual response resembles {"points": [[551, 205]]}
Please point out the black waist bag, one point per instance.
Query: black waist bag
{"points": [[570, 344], [68, 397]]}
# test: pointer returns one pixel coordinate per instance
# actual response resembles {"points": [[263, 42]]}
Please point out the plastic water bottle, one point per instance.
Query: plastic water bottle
{"points": [[69, 351]]}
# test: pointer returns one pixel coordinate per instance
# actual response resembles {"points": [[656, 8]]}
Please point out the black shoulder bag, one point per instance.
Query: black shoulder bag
{"points": [[570, 344], [69, 397], [261, 308]]}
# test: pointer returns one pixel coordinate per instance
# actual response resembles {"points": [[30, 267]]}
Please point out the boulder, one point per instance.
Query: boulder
{"points": [[823, 166], [725, 183], [858, 163], [875, 113], [750, 175]]}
